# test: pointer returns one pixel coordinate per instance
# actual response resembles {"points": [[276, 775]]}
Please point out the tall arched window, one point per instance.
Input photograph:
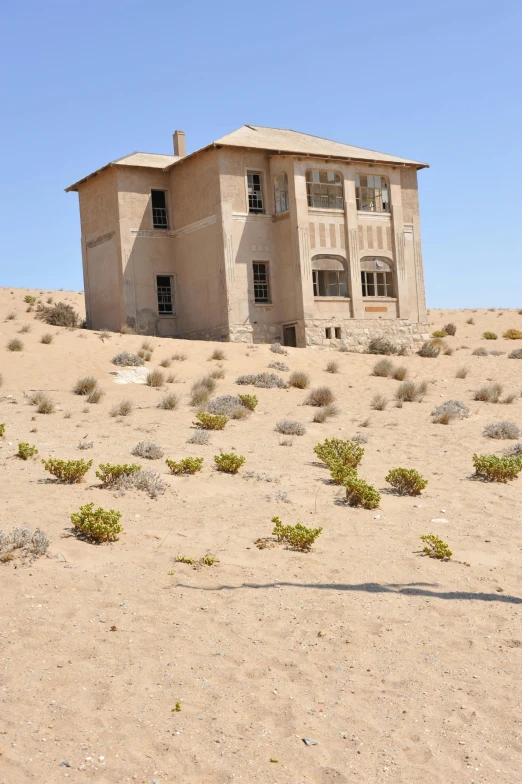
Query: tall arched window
{"points": [[372, 193], [329, 276], [281, 193], [324, 189], [376, 277]]}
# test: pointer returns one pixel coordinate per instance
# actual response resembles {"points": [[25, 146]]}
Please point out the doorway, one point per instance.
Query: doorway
{"points": [[289, 335]]}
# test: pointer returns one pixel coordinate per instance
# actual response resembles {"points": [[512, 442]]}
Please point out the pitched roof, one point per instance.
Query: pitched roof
{"points": [[148, 159], [284, 140]]}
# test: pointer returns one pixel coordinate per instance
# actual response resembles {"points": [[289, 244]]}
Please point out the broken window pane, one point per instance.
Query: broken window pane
{"points": [[255, 193], [164, 292], [281, 193], [372, 193], [324, 189], [159, 209]]}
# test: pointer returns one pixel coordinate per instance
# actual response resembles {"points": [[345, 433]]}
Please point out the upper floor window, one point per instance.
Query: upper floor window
{"points": [[376, 277], [160, 218], [261, 282], [281, 193], [372, 193], [165, 298], [329, 276], [255, 193], [324, 189]]}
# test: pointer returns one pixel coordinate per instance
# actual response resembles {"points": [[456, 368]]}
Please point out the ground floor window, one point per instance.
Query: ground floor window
{"points": [[261, 282], [165, 295], [330, 283], [376, 277]]}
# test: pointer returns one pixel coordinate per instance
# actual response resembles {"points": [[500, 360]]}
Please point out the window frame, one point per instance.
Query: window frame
{"points": [[166, 208], [284, 191], [261, 174], [266, 283], [310, 182], [377, 193], [376, 279], [157, 287]]}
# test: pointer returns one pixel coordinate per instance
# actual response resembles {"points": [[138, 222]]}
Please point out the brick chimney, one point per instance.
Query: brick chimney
{"points": [[180, 147]]}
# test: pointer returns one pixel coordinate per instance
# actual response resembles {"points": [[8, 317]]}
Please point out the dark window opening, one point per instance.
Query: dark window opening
{"points": [[328, 332], [165, 298], [330, 283], [159, 209], [338, 333], [255, 193], [261, 282]]}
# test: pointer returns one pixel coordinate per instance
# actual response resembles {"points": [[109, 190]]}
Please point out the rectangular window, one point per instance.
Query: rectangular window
{"points": [[324, 189], [338, 333], [372, 193], [261, 282], [165, 298], [159, 209], [255, 193], [328, 332], [377, 284], [329, 283], [281, 193]]}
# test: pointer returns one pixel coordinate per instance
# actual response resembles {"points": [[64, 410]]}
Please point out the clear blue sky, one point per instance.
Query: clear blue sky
{"points": [[87, 81]]}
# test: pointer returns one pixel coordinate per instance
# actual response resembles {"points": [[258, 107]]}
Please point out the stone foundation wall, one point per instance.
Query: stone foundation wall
{"points": [[220, 333], [255, 333], [356, 334]]}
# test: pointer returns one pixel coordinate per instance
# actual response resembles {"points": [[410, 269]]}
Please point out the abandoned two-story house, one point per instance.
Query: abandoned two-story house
{"points": [[263, 235]]}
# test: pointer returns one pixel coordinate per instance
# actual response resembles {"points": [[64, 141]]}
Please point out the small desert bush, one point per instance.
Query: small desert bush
{"points": [[290, 427], [410, 392], [59, 315], [2, 429], [169, 402], [179, 357], [25, 329], [406, 481], [210, 421], [323, 413], [505, 430], [435, 547], [340, 456], [515, 354], [249, 401], [515, 450], [470, 321], [199, 437], [451, 409], [383, 368], [155, 378], [488, 393], [512, 334], [277, 348], [497, 468], [321, 396], [429, 349], [46, 338], [201, 390], [145, 355], [440, 333], [297, 536], [218, 373], [147, 346], [97, 525], [96, 395], [462, 372], [382, 346], [262, 380], [10, 317], [45, 405], [400, 373], [166, 362], [228, 462], [450, 329], [360, 438], [148, 482], [379, 402], [229, 406], [67, 471], [332, 366], [490, 336], [25, 450], [86, 445], [279, 366], [84, 386], [29, 299], [218, 354], [360, 493], [124, 359], [299, 379], [148, 450], [109, 473], [30, 544], [188, 465], [123, 408], [15, 344], [480, 352]]}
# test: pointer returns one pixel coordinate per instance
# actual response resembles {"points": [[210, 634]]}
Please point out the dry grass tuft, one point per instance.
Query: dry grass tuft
{"points": [[84, 386], [218, 354], [332, 366], [46, 338], [379, 402], [96, 395], [155, 378], [410, 392], [169, 402], [383, 368], [299, 379], [179, 357], [123, 408], [15, 344], [488, 393], [290, 427], [166, 362], [462, 372], [321, 396]]}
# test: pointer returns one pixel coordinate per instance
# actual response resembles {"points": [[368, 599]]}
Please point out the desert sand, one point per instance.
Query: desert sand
{"points": [[400, 667]]}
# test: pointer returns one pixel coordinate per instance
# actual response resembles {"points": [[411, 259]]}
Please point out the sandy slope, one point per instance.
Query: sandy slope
{"points": [[415, 677]]}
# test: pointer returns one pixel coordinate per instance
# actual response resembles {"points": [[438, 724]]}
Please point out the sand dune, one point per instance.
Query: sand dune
{"points": [[398, 666]]}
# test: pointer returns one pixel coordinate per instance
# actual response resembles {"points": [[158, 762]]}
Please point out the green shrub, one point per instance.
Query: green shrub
{"points": [[229, 462], [108, 473], [67, 471], [210, 421], [25, 450], [15, 345], [489, 335], [29, 299], [406, 481], [497, 468], [512, 334], [249, 401], [2, 429], [297, 536], [334, 451], [188, 465], [59, 315], [97, 525], [360, 493], [440, 333], [435, 547]]}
